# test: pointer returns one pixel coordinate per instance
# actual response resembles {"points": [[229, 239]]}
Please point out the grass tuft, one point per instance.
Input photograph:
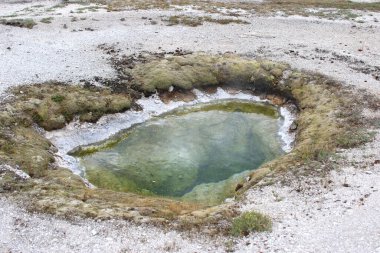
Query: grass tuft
{"points": [[23, 23], [46, 20], [250, 222], [57, 98], [354, 139]]}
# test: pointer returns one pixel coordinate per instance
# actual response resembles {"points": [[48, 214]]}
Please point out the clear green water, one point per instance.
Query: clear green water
{"points": [[194, 153]]}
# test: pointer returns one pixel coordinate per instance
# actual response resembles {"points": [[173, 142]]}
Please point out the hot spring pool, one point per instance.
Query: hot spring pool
{"points": [[195, 152]]}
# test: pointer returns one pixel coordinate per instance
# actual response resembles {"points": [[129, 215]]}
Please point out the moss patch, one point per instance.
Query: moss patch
{"points": [[53, 105], [202, 70], [20, 142]]}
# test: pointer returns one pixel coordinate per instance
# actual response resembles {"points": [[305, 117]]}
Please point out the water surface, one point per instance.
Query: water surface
{"points": [[195, 153]]}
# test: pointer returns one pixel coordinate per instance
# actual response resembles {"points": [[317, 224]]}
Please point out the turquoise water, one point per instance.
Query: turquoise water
{"points": [[194, 153]]}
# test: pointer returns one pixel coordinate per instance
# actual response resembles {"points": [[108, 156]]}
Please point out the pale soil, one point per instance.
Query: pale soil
{"points": [[315, 219]]}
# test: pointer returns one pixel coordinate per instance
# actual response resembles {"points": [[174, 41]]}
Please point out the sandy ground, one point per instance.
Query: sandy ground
{"points": [[344, 217]]}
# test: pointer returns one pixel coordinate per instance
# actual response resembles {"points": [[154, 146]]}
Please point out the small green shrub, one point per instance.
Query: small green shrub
{"points": [[6, 146], [354, 139], [250, 222], [37, 118], [46, 20], [57, 98]]}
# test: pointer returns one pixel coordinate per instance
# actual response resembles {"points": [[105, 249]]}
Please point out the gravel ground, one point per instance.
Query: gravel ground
{"points": [[24, 232], [344, 217]]}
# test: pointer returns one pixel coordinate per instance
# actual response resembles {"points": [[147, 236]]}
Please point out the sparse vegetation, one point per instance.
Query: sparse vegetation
{"points": [[57, 98], [183, 20], [358, 138], [342, 9], [197, 21], [91, 8], [10, 16], [289, 7], [226, 21], [23, 23], [38, 6], [46, 20], [57, 6], [249, 222]]}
